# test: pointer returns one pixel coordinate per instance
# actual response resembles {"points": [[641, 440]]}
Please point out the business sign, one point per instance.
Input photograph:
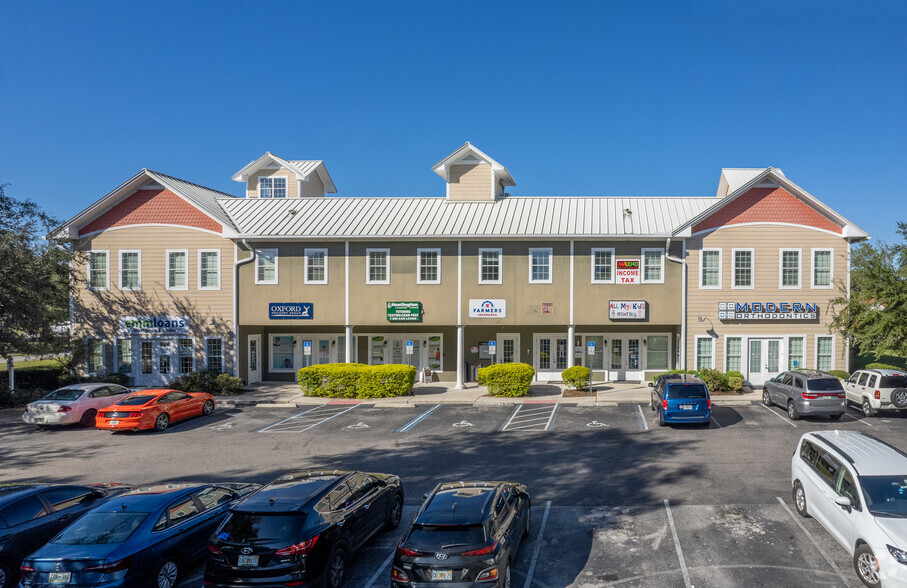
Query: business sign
{"points": [[481, 308], [627, 271], [627, 309], [291, 310], [154, 325], [779, 311], [404, 312]]}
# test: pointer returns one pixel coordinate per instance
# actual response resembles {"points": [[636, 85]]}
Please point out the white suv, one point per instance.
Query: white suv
{"points": [[856, 486], [877, 389]]}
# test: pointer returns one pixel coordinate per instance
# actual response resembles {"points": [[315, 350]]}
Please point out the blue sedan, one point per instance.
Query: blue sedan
{"points": [[143, 537]]}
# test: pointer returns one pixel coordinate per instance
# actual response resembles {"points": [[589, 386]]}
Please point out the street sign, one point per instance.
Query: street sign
{"points": [[590, 348], [492, 347], [307, 348], [409, 347]]}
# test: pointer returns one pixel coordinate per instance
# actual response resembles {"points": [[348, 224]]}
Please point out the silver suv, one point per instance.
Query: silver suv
{"points": [[806, 393], [876, 390]]}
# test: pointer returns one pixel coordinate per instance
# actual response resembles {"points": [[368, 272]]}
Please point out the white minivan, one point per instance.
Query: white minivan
{"points": [[856, 486]]}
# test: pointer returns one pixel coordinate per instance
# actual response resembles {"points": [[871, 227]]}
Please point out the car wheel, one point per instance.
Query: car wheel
{"points": [[766, 398], [652, 404], [208, 408], [162, 422], [835, 417], [395, 513], [88, 418], [792, 410], [528, 521], [335, 572], [800, 499], [167, 573], [867, 408], [899, 398], [505, 576], [866, 566], [661, 419], [5, 576]]}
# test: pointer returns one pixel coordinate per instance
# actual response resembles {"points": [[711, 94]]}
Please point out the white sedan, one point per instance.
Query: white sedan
{"points": [[78, 403]]}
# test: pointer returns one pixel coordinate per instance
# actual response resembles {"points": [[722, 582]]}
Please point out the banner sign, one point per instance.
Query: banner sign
{"points": [[154, 325], [627, 309], [494, 308], [627, 271], [404, 312], [291, 310], [783, 311]]}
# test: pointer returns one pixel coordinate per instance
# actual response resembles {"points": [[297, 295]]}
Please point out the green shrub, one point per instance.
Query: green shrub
{"points": [[206, 381], [882, 366], [691, 372], [507, 379], [841, 375], [356, 380], [577, 377], [716, 381]]}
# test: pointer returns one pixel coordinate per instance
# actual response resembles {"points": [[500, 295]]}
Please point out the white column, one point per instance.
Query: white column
{"points": [[461, 339], [571, 336], [349, 344]]}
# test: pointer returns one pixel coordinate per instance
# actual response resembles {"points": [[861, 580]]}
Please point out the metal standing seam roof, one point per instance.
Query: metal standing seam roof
{"points": [[437, 217]]}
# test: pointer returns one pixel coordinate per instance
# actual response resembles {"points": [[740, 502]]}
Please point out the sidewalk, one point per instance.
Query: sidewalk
{"points": [[288, 395]]}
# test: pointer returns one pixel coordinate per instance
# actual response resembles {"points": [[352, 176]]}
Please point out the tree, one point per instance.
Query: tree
{"points": [[875, 315]]}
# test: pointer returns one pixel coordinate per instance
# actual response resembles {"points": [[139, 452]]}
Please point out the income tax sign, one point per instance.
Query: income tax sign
{"points": [[627, 271]]}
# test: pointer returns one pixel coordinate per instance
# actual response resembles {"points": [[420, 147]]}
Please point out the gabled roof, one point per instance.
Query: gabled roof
{"points": [[442, 167], [202, 198], [302, 169], [734, 177]]}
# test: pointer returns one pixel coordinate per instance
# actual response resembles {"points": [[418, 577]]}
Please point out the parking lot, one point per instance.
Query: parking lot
{"points": [[617, 500]]}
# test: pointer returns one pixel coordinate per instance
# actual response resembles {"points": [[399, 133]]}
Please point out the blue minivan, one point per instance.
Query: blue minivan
{"points": [[681, 398]]}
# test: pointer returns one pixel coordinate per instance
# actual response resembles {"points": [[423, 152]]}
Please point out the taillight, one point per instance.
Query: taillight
{"points": [[708, 403], [809, 396], [878, 394], [134, 415], [26, 408], [26, 569], [298, 549], [112, 567], [214, 549], [488, 575], [664, 404], [398, 575], [487, 550], [404, 551], [64, 409]]}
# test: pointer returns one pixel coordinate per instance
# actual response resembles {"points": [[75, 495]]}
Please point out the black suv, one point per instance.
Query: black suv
{"points": [[465, 534], [302, 527]]}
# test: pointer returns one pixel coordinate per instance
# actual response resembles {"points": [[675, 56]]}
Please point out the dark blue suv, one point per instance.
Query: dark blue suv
{"points": [[681, 398]]}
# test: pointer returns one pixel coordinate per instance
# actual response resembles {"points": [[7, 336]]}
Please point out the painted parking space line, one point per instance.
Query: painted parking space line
{"points": [[309, 419], [859, 420], [289, 418], [538, 546], [641, 418], [373, 581], [533, 417], [417, 420], [683, 564], [717, 424], [815, 543], [778, 415]]}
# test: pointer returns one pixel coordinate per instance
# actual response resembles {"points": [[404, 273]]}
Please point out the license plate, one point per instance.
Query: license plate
{"points": [[60, 577], [686, 407], [442, 574], [114, 422], [39, 420], [248, 560]]}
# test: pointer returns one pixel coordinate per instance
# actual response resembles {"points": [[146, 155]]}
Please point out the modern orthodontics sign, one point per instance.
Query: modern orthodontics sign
{"points": [[154, 325], [767, 311]]}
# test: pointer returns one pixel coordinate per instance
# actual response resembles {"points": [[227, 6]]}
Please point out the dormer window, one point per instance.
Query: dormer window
{"points": [[272, 187]]}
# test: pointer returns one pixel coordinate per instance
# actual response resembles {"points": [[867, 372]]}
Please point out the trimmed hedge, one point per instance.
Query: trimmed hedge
{"points": [[206, 381], [507, 379], [882, 366], [716, 381], [356, 380], [840, 374], [577, 377]]}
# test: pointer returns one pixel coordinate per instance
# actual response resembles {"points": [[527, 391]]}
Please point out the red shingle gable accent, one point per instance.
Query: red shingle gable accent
{"points": [[760, 205], [152, 207]]}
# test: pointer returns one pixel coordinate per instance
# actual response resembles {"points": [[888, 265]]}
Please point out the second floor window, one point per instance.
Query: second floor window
{"points": [[178, 270], [710, 268], [130, 270], [652, 265], [209, 269], [743, 268], [603, 265], [272, 187], [97, 270], [822, 268], [540, 265], [790, 268], [489, 266], [316, 266], [378, 271], [266, 267], [429, 266]]}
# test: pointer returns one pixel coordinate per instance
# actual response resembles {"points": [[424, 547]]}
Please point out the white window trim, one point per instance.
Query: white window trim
{"points": [[419, 252], [696, 351], [88, 355], [276, 266], [223, 354], [167, 268], [120, 268], [831, 268], [734, 285], [743, 340], [286, 188], [805, 354], [116, 354], [781, 253], [642, 265], [816, 351], [720, 268], [297, 340], [308, 252], [550, 252], [500, 253], [194, 351], [106, 253], [200, 251], [592, 258], [368, 265]]}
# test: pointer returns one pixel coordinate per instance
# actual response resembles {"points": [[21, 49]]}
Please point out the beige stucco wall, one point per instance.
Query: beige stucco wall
{"points": [[471, 182]]}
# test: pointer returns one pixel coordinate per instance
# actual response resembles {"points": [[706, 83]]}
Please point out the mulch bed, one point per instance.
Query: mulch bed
{"points": [[577, 394]]}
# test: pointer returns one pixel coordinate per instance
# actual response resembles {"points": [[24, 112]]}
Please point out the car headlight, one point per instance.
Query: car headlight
{"points": [[898, 554]]}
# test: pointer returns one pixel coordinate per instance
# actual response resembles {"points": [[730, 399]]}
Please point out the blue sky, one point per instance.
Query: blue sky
{"points": [[593, 98]]}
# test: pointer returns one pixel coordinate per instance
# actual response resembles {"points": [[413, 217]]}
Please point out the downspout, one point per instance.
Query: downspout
{"points": [[683, 298], [236, 264]]}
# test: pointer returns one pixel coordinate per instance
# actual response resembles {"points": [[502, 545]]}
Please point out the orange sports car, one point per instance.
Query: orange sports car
{"points": [[153, 409]]}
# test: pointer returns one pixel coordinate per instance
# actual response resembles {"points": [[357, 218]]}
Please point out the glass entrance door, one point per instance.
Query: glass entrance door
{"points": [[158, 362], [550, 356], [254, 359], [764, 360], [508, 348]]}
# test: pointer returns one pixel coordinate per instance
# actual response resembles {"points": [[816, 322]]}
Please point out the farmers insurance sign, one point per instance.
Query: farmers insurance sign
{"points": [[154, 325], [785, 311], [487, 308], [627, 271]]}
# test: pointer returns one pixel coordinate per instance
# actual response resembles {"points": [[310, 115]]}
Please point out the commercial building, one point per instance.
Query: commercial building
{"points": [[287, 276]]}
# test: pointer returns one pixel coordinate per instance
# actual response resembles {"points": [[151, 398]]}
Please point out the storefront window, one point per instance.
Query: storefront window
{"points": [[147, 357], [595, 361], [823, 353], [214, 354], [795, 353], [378, 345], [657, 352], [187, 356], [95, 356], [734, 353], [282, 353], [704, 353], [434, 352], [124, 356]]}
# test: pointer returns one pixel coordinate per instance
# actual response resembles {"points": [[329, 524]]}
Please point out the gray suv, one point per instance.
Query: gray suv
{"points": [[806, 393]]}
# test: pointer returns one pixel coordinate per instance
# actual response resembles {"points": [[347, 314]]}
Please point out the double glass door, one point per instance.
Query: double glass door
{"points": [[550, 356], [764, 360], [158, 362]]}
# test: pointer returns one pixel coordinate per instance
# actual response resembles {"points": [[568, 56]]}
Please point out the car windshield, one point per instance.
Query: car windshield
{"points": [[101, 528], [894, 382], [64, 394], [434, 537], [252, 527], [886, 496], [824, 384], [686, 391], [134, 400]]}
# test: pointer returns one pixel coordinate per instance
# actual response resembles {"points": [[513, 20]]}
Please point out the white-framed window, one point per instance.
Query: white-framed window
{"points": [[825, 353], [214, 354], [789, 268], [657, 352], [186, 350], [744, 263], [272, 187], [130, 269], [177, 269], [823, 268], [283, 354], [733, 354], [490, 261], [540, 265], [266, 266], [378, 266], [99, 270], [316, 266], [124, 356], [710, 269], [795, 352], [602, 265], [209, 269], [705, 352], [653, 266], [94, 356], [429, 262]]}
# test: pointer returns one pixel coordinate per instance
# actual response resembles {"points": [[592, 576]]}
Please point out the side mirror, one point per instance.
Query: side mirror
{"points": [[843, 502], [651, 384], [425, 496], [382, 483]]}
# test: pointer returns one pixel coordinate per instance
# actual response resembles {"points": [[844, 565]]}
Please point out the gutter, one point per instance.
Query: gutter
{"points": [[683, 298], [236, 264]]}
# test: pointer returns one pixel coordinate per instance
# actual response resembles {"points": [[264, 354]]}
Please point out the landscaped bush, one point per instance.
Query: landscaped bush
{"points": [[882, 366], [356, 380], [34, 379], [841, 375], [734, 380], [206, 381], [507, 379], [691, 372], [577, 377], [715, 380]]}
